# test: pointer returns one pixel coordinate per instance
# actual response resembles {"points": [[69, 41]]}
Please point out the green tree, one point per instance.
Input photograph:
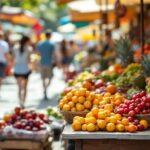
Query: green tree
{"points": [[47, 10]]}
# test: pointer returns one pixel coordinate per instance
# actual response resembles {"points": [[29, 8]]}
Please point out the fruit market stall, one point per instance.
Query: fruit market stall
{"points": [[25, 129], [107, 140]]}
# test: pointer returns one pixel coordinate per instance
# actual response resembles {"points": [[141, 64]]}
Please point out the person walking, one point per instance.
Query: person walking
{"points": [[46, 50], [4, 51], [21, 69]]}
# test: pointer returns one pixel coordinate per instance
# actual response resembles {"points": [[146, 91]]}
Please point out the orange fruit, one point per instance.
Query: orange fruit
{"points": [[117, 102], [75, 118], [120, 127], [95, 111], [65, 100], [74, 99], [110, 127], [81, 99], [108, 107], [95, 102], [87, 104], [89, 98], [111, 88], [101, 123], [102, 115], [102, 103], [98, 96], [76, 125], [118, 117], [144, 123], [76, 93], [82, 91], [107, 94], [132, 128], [81, 120], [79, 107], [112, 119], [91, 127], [87, 85], [125, 121], [107, 99], [92, 95], [73, 109], [66, 107], [69, 96], [84, 127], [90, 120], [61, 105], [87, 93], [71, 104], [97, 128]]}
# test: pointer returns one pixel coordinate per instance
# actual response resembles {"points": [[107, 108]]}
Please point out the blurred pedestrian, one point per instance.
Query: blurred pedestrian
{"points": [[66, 57], [21, 69], [46, 50], [4, 50]]}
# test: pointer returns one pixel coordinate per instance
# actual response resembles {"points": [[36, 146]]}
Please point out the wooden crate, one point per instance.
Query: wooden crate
{"points": [[12, 144]]}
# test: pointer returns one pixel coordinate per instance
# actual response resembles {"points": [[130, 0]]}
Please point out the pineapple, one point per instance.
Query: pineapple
{"points": [[124, 52], [146, 65]]}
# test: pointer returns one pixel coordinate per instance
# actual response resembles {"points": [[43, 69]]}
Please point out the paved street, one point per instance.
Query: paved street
{"points": [[9, 98]]}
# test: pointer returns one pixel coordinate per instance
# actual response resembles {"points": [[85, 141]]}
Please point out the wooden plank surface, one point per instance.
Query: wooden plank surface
{"points": [[68, 133], [115, 144]]}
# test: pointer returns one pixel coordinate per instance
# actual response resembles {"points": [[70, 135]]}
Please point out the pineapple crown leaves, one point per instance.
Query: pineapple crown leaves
{"points": [[123, 48], [146, 64]]}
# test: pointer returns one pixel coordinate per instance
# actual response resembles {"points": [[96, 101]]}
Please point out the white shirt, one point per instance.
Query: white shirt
{"points": [[21, 60], [4, 48]]}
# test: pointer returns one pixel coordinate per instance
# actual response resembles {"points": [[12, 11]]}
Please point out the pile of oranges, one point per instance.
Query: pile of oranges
{"points": [[105, 120]]}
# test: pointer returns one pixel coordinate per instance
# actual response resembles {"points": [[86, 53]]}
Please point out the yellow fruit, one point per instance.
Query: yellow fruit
{"points": [[75, 99], [86, 110], [96, 128], [118, 117], [66, 107], [65, 100], [107, 112], [90, 120], [144, 123], [120, 127], [110, 127], [82, 91], [107, 94], [98, 96], [76, 125], [102, 115], [102, 103], [101, 124], [95, 111], [71, 104], [132, 128], [84, 127], [87, 104], [81, 99], [75, 118], [125, 121], [92, 95], [73, 109], [107, 99], [61, 105], [108, 107], [79, 107], [89, 115], [91, 127], [89, 98], [69, 96], [87, 93], [95, 102], [81, 120], [112, 119], [76, 93]]}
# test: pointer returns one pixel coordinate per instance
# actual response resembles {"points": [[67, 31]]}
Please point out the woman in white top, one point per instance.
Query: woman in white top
{"points": [[21, 69]]}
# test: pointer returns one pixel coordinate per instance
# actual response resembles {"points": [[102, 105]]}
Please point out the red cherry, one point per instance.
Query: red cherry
{"points": [[119, 111], [147, 105], [131, 113], [17, 110], [37, 123], [136, 122], [140, 127], [41, 116], [138, 100], [35, 129], [126, 110], [131, 108], [137, 110], [131, 119], [144, 111], [143, 93], [99, 83]]}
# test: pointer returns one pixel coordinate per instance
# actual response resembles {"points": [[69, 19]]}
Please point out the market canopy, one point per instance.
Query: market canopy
{"points": [[17, 16], [126, 2]]}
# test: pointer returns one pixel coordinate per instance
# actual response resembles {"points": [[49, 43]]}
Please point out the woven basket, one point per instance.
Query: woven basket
{"points": [[68, 115], [144, 116]]}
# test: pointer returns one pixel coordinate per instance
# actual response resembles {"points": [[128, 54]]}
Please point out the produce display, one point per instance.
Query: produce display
{"points": [[113, 99], [26, 124]]}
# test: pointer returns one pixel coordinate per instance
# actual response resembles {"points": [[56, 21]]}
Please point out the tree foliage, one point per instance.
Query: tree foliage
{"points": [[46, 10]]}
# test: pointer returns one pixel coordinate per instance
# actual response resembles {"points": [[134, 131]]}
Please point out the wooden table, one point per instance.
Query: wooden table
{"points": [[108, 140]]}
